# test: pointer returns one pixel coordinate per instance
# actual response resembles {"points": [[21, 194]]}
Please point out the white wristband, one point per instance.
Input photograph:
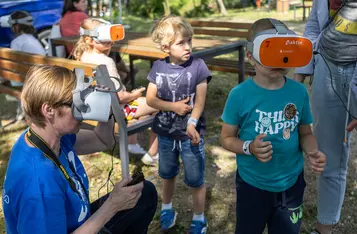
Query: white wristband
{"points": [[246, 145], [192, 121]]}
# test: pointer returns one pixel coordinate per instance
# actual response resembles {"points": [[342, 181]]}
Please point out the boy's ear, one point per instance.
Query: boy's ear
{"points": [[251, 60], [165, 48]]}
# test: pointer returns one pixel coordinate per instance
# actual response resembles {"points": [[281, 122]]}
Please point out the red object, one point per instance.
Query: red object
{"points": [[70, 24]]}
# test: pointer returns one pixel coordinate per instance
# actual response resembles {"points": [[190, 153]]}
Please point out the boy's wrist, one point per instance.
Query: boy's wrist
{"points": [[192, 121], [246, 148]]}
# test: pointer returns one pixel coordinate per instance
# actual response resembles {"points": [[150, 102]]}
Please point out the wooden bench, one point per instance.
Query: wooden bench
{"points": [[14, 65], [230, 30], [306, 6]]}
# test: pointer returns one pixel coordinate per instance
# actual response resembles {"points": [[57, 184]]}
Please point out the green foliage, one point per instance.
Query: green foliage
{"points": [[146, 8], [200, 10]]}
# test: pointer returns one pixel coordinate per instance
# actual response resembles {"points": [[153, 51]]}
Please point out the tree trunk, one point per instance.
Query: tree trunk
{"points": [[222, 7], [167, 7]]}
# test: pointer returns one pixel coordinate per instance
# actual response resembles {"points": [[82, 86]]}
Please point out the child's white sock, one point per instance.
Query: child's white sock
{"points": [[200, 217], [166, 206]]}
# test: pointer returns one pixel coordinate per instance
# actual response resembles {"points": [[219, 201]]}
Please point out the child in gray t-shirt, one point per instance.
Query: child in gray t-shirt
{"points": [[177, 88]]}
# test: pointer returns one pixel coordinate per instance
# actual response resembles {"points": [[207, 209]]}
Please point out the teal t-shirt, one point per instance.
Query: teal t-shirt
{"points": [[277, 113]]}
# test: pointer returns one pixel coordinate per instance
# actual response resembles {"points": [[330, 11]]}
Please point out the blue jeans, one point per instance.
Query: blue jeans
{"points": [[193, 158], [329, 128]]}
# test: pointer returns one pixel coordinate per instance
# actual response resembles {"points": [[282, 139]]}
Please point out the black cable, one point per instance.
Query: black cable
{"points": [[112, 166], [333, 87]]}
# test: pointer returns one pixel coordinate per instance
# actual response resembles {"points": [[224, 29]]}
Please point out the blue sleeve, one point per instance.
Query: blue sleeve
{"points": [[203, 72], [231, 110], [152, 74], [306, 115], [42, 215]]}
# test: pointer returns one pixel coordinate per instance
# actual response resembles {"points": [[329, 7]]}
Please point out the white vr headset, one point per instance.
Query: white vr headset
{"points": [[280, 47], [105, 33], [7, 21], [91, 102]]}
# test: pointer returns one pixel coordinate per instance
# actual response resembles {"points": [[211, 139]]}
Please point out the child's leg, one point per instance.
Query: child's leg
{"points": [[169, 168], [154, 147], [287, 214], [253, 208], [193, 157]]}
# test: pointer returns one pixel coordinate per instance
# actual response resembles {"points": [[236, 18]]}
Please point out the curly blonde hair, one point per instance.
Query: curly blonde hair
{"points": [[82, 45], [168, 28]]}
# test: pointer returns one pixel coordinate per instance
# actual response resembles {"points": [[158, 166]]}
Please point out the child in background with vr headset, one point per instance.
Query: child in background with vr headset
{"points": [[25, 41], [91, 50], [177, 87], [267, 124]]}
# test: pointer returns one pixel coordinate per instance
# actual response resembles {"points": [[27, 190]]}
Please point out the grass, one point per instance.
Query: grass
{"points": [[220, 164]]}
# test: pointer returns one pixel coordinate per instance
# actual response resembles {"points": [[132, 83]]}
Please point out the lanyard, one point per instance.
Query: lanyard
{"points": [[39, 143]]}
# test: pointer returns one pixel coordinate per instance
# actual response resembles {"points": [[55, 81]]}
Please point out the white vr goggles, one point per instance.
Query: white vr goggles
{"points": [[105, 33], [280, 47], [91, 102], [7, 21]]}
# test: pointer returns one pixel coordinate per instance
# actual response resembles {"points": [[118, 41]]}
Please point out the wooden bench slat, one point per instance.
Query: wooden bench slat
{"points": [[222, 33], [10, 91], [225, 65], [9, 75], [15, 67], [7, 54]]}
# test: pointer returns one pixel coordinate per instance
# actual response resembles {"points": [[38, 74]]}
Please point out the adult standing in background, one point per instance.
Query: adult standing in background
{"points": [[332, 27]]}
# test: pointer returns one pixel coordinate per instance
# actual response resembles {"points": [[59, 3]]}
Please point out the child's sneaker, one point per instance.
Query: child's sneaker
{"points": [[167, 219], [136, 149], [147, 159], [198, 227]]}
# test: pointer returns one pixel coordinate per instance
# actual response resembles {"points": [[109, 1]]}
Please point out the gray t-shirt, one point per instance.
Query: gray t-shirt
{"points": [[175, 83], [339, 41]]}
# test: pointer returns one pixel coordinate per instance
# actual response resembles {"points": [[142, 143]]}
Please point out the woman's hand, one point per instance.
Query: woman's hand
{"points": [[123, 197]]}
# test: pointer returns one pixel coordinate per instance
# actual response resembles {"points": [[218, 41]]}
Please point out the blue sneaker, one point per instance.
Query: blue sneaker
{"points": [[198, 227], [167, 219]]}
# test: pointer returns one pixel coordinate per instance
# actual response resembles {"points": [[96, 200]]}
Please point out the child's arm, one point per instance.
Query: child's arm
{"points": [[262, 150], [180, 107], [308, 144], [201, 90], [126, 97]]}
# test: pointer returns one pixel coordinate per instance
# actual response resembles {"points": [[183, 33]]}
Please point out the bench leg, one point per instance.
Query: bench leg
{"points": [[53, 49], [132, 74], [241, 65]]}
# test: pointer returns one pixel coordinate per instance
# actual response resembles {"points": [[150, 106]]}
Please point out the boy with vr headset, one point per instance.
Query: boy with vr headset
{"points": [[177, 88], [267, 124]]}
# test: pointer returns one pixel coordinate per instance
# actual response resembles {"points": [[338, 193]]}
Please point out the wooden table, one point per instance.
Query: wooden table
{"points": [[140, 46]]}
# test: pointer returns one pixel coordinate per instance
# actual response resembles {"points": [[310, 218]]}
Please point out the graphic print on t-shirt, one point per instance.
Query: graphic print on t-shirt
{"points": [[281, 122]]}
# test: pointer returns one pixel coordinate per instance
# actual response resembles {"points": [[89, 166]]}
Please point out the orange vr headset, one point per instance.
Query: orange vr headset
{"points": [[280, 47], [106, 32]]}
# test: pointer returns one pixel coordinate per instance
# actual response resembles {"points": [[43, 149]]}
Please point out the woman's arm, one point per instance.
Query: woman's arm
{"points": [[97, 140]]}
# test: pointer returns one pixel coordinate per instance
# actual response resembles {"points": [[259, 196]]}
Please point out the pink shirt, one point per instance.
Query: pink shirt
{"points": [[70, 24]]}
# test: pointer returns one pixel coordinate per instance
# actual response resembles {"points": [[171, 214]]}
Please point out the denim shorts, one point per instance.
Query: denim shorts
{"points": [[193, 158]]}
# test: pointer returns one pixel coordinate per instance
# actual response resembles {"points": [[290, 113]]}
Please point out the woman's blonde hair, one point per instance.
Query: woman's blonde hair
{"points": [[259, 26], [44, 84], [168, 28], [82, 45]]}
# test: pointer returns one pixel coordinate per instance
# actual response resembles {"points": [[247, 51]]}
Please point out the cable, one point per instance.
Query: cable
{"points": [[112, 166], [329, 70]]}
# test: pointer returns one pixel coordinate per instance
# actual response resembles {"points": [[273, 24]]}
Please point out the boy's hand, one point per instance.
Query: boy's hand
{"points": [[262, 150], [317, 161], [193, 134], [181, 108], [352, 125]]}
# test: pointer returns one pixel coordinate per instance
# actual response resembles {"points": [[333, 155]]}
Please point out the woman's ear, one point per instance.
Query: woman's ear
{"points": [[47, 111], [88, 40]]}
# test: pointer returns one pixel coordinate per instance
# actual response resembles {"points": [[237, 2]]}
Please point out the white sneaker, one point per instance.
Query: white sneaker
{"points": [[136, 149], [148, 160]]}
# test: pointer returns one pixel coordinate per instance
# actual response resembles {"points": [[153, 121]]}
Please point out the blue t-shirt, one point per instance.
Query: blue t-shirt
{"points": [[175, 83], [278, 113], [36, 196]]}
